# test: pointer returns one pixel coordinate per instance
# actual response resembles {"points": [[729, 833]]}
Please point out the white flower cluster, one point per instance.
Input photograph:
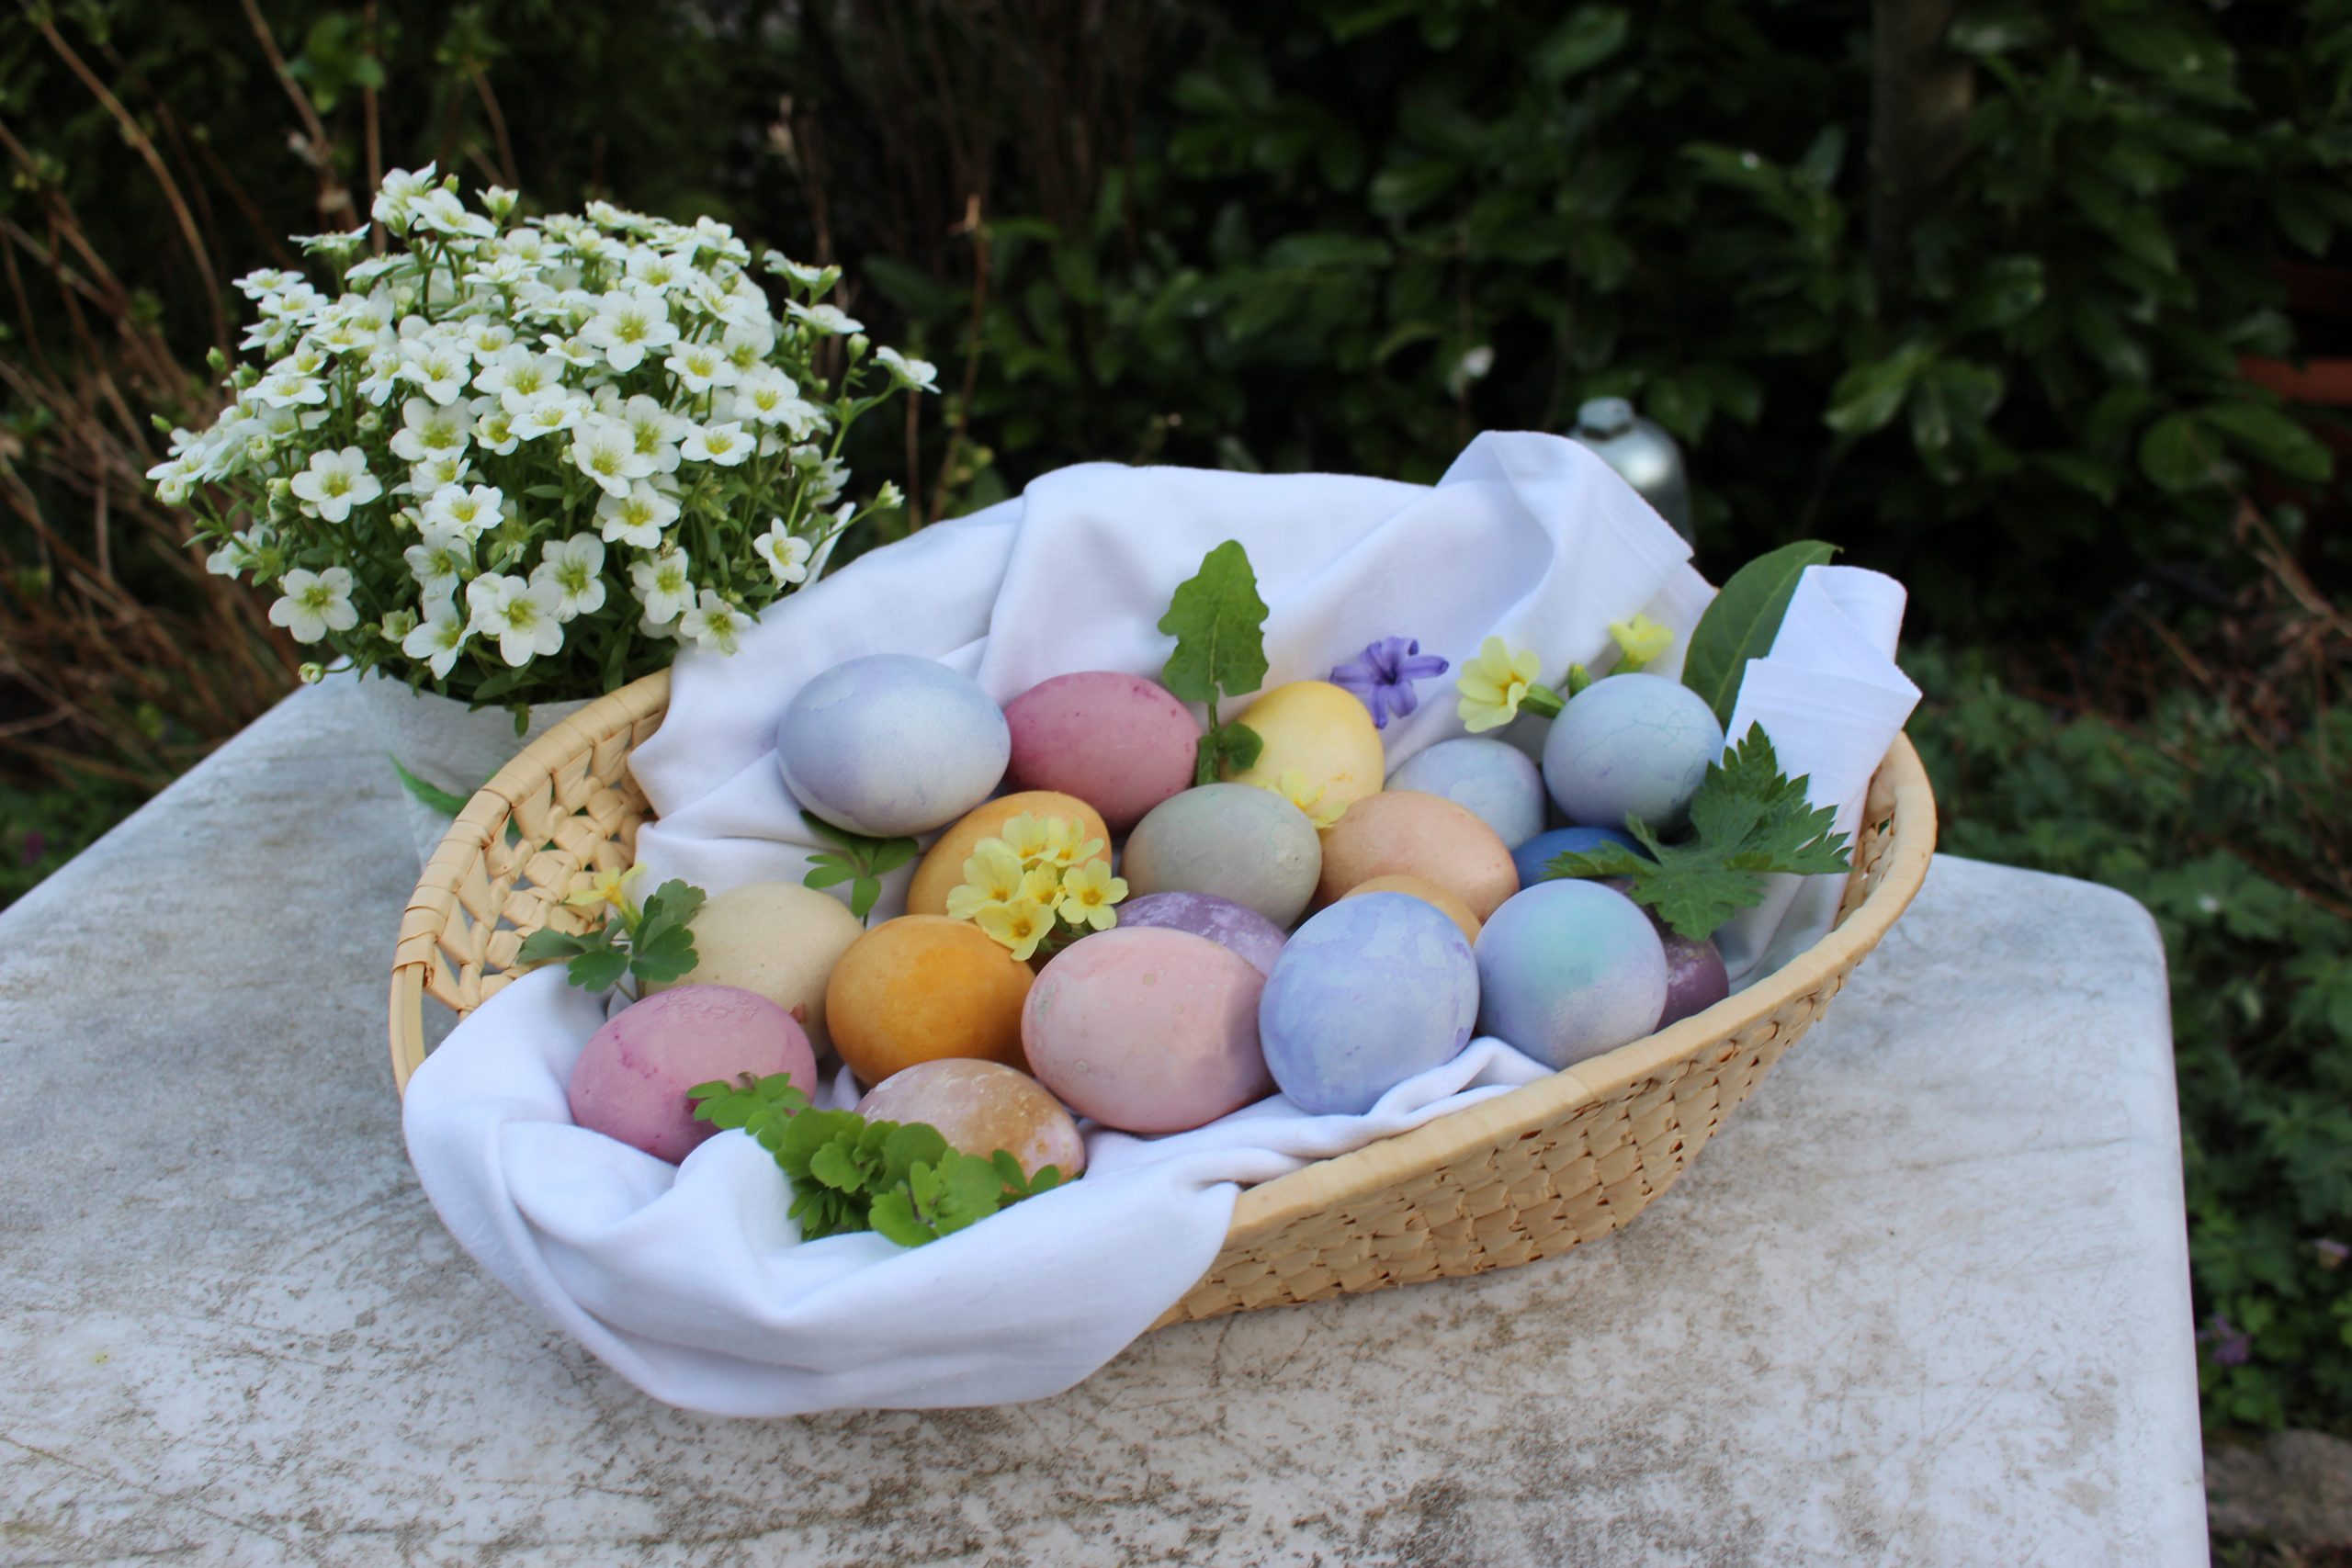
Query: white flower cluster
{"points": [[500, 441]]}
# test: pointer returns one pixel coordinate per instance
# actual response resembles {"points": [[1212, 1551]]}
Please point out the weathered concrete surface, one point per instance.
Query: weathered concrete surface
{"points": [[1925, 1301], [2291, 1488]]}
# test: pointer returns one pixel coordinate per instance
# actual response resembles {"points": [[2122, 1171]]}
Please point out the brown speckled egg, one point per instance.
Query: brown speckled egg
{"points": [[776, 940], [942, 870], [1427, 892], [1404, 832], [922, 987], [979, 1107]]}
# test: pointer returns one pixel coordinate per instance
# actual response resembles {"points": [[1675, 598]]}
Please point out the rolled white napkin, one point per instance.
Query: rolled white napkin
{"points": [[689, 1280]]}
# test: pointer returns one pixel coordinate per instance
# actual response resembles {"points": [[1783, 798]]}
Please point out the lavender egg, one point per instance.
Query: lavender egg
{"points": [[1234, 926], [1695, 979], [891, 744], [1631, 746], [1365, 994], [1532, 856], [1567, 971], [1495, 780], [1232, 840]]}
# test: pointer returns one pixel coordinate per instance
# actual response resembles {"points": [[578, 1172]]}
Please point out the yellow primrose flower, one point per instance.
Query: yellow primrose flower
{"points": [[993, 875], [1042, 883], [1029, 836], [1495, 684], [591, 888], [1293, 787], [1020, 926], [1640, 643], [1066, 843], [1087, 894]]}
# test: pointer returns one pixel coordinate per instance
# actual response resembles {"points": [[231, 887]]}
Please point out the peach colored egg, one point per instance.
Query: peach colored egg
{"points": [[1322, 731], [941, 870], [979, 1107], [922, 987], [1148, 1031], [631, 1080], [1404, 832], [1427, 892], [1121, 743], [776, 940]]}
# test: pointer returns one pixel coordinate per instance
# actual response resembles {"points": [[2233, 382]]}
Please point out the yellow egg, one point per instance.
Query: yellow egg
{"points": [[942, 871], [1323, 732], [776, 940], [1427, 892]]}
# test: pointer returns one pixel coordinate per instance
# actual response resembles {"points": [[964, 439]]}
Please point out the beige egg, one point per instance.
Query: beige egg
{"points": [[776, 940], [1427, 892], [1404, 832], [1322, 733], [981, 1107]]}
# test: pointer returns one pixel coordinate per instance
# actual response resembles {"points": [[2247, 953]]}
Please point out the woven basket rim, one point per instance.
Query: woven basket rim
{"points": [[1901, 783]]}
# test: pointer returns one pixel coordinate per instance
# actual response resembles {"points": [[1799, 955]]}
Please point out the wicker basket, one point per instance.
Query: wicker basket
{"points": [[1521, 1175]]}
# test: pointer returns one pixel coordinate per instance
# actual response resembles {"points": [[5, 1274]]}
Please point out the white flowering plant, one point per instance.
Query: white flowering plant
{"points": [[516, 459]]}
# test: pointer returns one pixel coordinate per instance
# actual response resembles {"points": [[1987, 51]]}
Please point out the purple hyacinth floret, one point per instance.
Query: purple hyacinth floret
{"points": [[1384, 678]]}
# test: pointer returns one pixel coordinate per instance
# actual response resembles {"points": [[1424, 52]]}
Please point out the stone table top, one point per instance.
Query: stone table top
{"points": [[1925, 1300]]}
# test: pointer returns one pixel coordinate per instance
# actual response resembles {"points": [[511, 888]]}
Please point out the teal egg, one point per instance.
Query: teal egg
{"points": [[1569, 970]]}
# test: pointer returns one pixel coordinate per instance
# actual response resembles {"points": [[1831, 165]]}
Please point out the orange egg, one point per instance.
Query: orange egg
{"points": [[942, 870], [922, 987], [1427, 892], [1403, 831]]}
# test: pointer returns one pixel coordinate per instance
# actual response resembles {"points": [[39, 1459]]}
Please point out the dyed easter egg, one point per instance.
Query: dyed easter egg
{"points": [[920, 988], [941, 870], [1232, 926], [1147, 1030], [1322, 731], [1404, 832], [1229, 840], [891, 744], [631, 1080], [1532, 856], [1695, 980], [1368, 992], [1497, 781], [1427, 892], [1567, 970], [1121, 743], [979, 1107], [776, 940], [1631, 746]]}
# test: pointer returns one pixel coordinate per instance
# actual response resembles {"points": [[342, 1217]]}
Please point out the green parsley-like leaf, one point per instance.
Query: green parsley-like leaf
{"points": [[1749, 822], [861, 862], [599, 968], [893, 1218], [546, 944], [434, 796]]}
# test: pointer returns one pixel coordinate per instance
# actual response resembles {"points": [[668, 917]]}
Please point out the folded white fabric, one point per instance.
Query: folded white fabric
{"points": [[691, 1281]]}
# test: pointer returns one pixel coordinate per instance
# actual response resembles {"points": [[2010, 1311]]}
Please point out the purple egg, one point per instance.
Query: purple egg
{"points": [[1234, 927], [1367, 993], [1569, 971], [1695, 979]]}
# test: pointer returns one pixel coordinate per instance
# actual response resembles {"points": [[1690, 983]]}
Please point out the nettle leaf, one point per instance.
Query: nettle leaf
{"points": [[1217, 618], [1743, 620]]}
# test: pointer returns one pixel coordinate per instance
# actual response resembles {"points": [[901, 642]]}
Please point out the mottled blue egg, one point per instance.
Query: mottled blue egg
{"points": [[1497, 781], [891, 744], [1568, 970], [1631, 746], [1532, 856], [1365, 994]]}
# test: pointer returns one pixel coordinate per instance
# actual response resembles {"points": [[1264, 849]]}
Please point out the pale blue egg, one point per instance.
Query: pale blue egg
{"points": [[891, 745], [1568, 970], [1532, 856], [1229, 840], [1367, 993], [1631, 746], [1497, 781]]}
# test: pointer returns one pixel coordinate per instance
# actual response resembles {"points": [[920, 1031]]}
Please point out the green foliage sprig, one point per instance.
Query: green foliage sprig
{"points": [[1749, 822], [1742, 619], [857, 860], [898, 1179], [1218, 622], [649, 942]]}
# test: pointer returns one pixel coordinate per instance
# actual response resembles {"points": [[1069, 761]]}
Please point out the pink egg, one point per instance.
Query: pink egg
{"points": [[630, 1082], [1148, 1031], [1118, 742]]}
